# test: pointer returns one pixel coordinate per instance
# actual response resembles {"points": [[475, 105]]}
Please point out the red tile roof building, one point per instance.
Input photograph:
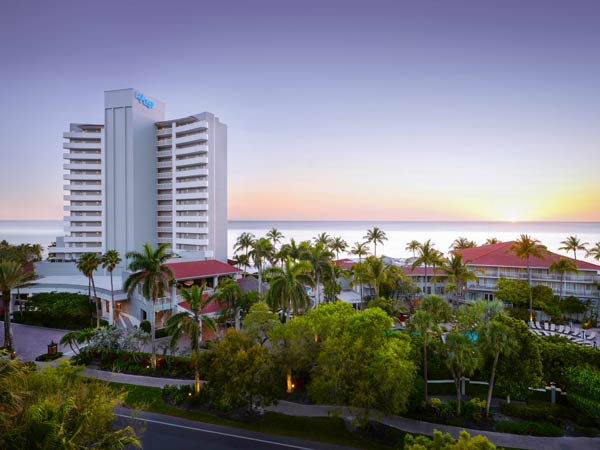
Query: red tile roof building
{"points": [[496, 261]]}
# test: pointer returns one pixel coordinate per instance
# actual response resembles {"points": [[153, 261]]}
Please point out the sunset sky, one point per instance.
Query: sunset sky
{"points": [[382, 110]]}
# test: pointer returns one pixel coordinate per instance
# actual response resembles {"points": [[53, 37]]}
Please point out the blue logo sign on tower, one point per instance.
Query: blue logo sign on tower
{"points": [[143, 100]]}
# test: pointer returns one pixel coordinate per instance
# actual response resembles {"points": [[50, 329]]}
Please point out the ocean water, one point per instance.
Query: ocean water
{"points": [[399, 233]]}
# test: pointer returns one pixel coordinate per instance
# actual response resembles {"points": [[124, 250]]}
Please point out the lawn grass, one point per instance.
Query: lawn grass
{"points": [[330, 430]]}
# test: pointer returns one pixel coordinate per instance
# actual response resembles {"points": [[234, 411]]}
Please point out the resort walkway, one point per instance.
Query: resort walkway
{"points": [[401, 423]]}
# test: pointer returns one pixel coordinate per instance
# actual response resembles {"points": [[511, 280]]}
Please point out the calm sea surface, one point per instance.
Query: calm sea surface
{"points": [[399, 233]]}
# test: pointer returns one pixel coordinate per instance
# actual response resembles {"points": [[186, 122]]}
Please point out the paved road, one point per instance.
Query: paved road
{"points": [[31, 341], [166, 432]]}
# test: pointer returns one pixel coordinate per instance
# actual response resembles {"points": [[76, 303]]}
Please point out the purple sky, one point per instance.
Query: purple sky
{"points": [[424, 110]]}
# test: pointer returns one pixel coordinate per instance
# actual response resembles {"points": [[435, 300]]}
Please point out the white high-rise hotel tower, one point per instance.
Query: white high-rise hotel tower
{"points": [[140, 178]]}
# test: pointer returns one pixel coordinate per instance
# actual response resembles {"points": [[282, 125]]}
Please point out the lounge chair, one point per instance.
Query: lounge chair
{"points": [[591, 336], [538, 325], [552, 327], [561, 328], [575, 332], [546, 327]]}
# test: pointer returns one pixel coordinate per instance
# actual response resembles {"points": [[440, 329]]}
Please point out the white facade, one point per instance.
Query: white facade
{"points": [[140, 178], [191, 189]]}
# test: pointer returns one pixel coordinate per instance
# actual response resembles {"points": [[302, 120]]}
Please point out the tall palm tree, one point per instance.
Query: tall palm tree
{"points": [[360, 249], [229, 294], [12, 276], [275, 236], [413, 246], [88, 263], [287, 286], [319, 256], [491, 241], [573, 243], [261, 252], [244, 242], [149, 270], [191, 323], [494, 339], [525, 248], [462, 243], [323, 238], [457, 273], [461, 358], [427, 256], [594, 252], [375, 236], [562, 267], [338, 245], [426, 321], [110, 260]]}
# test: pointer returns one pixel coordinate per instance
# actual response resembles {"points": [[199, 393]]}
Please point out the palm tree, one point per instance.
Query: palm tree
{"points": [[413, 246], [572, 243], [110, 260], [426, 321], [319, 256], [261, 251], [287, 286], [375, 272], [323, 238], [462, 243], [457, 273], [275, 236], [360, 249], [526, 247], [563, 266], [338, 245], [244, 242], [494, 339], [375, 236], [191, 323], [491, 241], [151, 272], [428, 256], [229, 293], [242, 261], [11, 276], [461, 358], [88, 263], [594, 252]]}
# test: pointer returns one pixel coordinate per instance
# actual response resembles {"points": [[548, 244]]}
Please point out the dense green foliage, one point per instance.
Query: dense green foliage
{"points": [[57, 310], [533, 428], [54, 408], [584, 390], [441, 441], [360, 366], [239, 374]]}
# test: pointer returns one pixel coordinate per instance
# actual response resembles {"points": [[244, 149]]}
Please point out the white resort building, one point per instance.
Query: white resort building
{"points": [[141, 178]]}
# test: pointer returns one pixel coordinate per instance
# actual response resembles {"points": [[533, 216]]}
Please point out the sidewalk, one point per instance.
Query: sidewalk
{"points": [[139, 380], [401, 423]]}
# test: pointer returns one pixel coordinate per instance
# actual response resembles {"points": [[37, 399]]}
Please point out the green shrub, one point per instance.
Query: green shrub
{"points": [[160, 333], [46, 357], [536, 411], [533, 428], [177, 394], [474, 409], [57, 310], [146, 326]]}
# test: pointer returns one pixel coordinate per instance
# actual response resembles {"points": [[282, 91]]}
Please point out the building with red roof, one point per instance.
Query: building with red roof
{"points": [[496, 261]]}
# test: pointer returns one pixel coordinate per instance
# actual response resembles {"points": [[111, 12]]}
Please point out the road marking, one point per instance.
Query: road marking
{"points": [[237, 436]]}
